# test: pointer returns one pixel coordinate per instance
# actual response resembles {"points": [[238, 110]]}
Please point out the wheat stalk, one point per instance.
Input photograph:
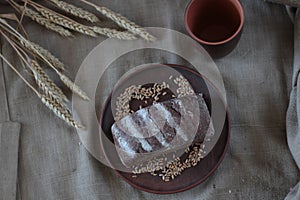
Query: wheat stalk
{"points": [[41, 78], [61, 20], [48, 86], [113, 33], [17, 35], [73, 87], [34, 48], [66, 80], [76, 11], [122, 21], [52, 104], [46, 22], [35, 16], [18, 73], [59, 111], [50, 94], [39, 74]]}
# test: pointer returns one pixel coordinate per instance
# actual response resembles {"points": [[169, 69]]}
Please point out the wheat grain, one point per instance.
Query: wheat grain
{"points": [[50, 93], [45, 88], [112, 33], [73, 87], [52, 104], [59, 111], [35, 16], [65, 22], [76, 11], [37, 50], [122, 21], [40, 74], [125, 23]]}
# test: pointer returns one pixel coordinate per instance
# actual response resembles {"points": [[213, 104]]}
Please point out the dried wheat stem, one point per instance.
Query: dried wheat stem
{"points": [[51, 99], [41, 78], [22, 16], [35, 16], [59, 111], [73, 87], [76, 11], [33, 47], [67, 81], [50, 94], [15, 33], [112, 33], [23, 57], [70, 24], [40, 75], [62, 20], [52, 104], [13, 44], [122, 21], [48, 91], [18, 73], [54, 98]]}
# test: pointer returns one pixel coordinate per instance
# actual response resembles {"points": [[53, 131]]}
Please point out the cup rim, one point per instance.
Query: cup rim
{"points": [[241, 12]]}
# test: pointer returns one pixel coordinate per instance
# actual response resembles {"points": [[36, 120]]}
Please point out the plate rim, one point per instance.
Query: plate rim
{"points": [[119, 174]]}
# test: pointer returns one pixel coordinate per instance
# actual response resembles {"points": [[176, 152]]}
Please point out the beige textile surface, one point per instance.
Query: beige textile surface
{"points": [[52, 163]]}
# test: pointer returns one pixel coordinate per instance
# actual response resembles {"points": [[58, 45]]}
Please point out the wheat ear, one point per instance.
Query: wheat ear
{"points": [[61, 20], [33, 47], [40, 75], [35, 16], [50, 94], [76, 11], [15, 33], [59, 111], [122, 21], [52, 104], [113, 33], [66, 80], [73, 87]]}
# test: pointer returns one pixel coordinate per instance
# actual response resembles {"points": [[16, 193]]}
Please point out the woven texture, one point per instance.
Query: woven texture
{"points": [[9, 147], [258, 78], [295, 3]]}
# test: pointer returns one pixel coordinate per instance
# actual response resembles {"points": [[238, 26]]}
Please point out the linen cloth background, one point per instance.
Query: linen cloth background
{"points": [[293, 114], [9, 146], [52, 163]]}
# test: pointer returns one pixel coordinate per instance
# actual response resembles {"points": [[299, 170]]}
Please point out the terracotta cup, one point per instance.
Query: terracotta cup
{"points": [[216, 24]]}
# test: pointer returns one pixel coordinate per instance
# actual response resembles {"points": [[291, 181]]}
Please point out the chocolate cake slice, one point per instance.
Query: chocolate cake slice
{"points": [[161, 128]]}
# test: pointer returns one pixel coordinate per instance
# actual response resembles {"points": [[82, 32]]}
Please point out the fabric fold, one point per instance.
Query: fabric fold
{"points": [[9, 148], [9, 145], [293, 113], [294, 193], [294, 3], [4, 113]]}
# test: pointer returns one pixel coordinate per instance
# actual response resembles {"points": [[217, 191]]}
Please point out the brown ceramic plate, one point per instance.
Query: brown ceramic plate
{"points": [[190, 177]]}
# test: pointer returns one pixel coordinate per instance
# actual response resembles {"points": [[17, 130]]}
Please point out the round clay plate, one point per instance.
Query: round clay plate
{"points": [[191, 177]]}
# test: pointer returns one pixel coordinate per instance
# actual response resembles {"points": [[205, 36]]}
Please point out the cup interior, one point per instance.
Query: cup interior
{"points": [[214, 21]]}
